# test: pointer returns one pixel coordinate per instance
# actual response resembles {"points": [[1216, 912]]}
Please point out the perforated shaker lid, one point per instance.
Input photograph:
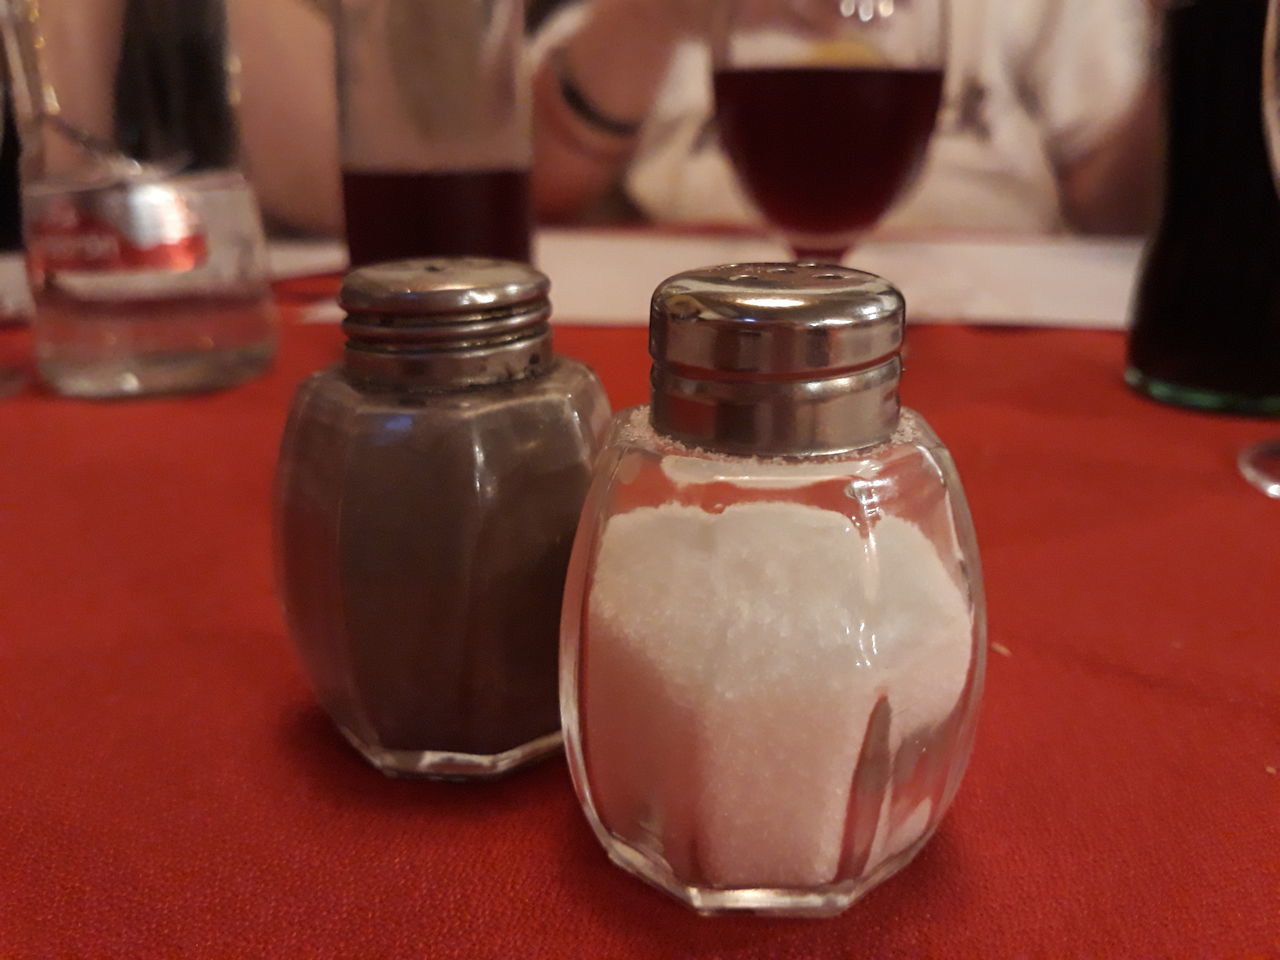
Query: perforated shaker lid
{"points": [[441, 285], [446, 321], [776, 358], [784, 319]]}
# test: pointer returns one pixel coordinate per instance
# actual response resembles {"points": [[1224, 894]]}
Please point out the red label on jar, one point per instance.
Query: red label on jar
{"points": [[147, 227]]}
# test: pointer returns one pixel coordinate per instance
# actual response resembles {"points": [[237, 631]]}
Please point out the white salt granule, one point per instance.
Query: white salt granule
{"points": [[733, 661]]}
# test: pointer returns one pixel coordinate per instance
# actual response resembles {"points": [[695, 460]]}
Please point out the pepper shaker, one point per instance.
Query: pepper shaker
{"points": [[772, 644], [427, 495]]}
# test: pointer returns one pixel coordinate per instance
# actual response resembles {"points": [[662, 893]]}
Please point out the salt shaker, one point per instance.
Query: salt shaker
{"points": [[427, 495], [772, 642]]}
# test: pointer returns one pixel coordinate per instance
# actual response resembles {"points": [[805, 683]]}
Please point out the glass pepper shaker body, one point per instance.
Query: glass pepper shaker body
{"points": [[772, 642], [427, 495]]}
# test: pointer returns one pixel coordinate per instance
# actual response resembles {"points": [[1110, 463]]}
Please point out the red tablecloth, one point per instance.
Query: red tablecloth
{"points": [[168, 788]]}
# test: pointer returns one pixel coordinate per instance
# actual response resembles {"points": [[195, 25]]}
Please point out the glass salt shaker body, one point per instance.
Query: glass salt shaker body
{"points": [[427, 494], [772, 645]]}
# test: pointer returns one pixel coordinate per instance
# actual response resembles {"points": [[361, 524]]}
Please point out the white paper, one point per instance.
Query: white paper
{"points": [[605, 277], [304, 258]]}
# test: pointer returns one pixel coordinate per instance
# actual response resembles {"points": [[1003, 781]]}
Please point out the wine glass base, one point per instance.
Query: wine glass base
{"points": [[806, 255], [1260, 465]]}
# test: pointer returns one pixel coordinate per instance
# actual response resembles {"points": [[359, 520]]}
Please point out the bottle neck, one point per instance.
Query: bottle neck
{"points": [[1215, 136], [776, 417]]}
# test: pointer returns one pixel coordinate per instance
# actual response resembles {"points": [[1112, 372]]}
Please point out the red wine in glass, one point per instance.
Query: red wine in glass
{"points": [[392, 215], [824, 151]]}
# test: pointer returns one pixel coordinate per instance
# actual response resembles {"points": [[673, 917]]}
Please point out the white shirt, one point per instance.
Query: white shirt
{"points": [[1031, 85]]}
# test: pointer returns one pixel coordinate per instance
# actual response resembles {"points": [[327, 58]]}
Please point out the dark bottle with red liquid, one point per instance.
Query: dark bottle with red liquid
{"points": [[435, 133], [1206, 313], [392, 215]]}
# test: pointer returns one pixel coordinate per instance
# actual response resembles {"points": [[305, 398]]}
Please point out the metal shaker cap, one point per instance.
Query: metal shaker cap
{"points": [[776, 358], [441, 286], [799, 319], [445, 321]]}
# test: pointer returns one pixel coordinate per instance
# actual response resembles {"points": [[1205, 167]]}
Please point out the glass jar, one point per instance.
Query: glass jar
{"points": [[144, 244], [772, 644], [427, 495]]}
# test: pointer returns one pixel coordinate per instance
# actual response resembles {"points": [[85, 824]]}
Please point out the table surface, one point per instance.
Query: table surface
{"points": [[170, 789]]}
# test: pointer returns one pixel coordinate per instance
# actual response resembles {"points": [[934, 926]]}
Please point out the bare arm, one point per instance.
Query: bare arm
{"points": [[288, 111], [617, 58], [1116, 187]]}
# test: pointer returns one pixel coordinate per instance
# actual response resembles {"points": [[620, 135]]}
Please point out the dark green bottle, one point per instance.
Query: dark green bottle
{"points": [[1206, 311]]}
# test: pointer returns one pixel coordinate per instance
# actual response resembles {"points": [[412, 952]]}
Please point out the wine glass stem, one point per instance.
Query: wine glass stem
{"points": [[820, 254]]}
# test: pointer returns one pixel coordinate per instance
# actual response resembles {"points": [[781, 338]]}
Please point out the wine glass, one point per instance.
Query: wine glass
{"points": [[825, 109], [1260, 462]]}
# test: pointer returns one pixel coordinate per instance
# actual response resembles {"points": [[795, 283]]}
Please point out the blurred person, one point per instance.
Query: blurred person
{"points": [[1050, 120], [1049, 123]]}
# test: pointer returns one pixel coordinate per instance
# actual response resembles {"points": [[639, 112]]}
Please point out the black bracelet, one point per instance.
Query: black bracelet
{"points": [[583, 108]]}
